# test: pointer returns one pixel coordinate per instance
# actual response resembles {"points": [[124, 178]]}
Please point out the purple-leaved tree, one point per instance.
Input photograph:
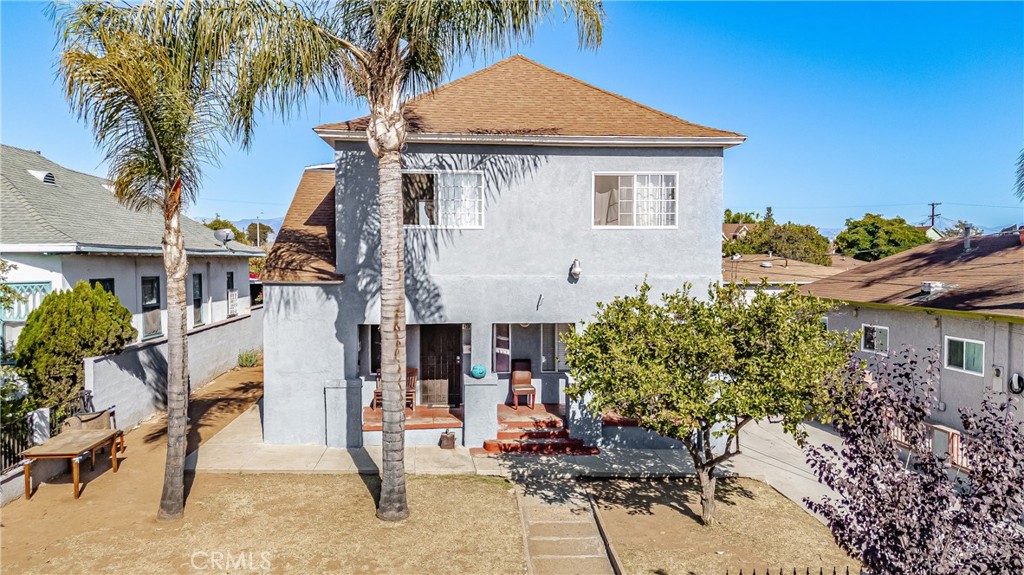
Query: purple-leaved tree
{"points": [[910, 512]]}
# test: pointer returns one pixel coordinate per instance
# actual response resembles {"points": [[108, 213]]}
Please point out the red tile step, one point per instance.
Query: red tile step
{"points": [[558, 445], [532, 433]]}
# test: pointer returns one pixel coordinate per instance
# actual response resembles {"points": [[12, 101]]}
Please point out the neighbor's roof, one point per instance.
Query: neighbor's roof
{"points": [[730, 230], [988, 279], [304, 250], [78, 214], [782, 271], [519, 97]]}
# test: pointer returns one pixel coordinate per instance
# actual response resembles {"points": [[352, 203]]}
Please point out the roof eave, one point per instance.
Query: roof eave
{"points": [[987, 315], [76, 248], [332, 135]]}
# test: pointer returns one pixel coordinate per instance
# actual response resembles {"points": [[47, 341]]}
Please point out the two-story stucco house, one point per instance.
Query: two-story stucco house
{"points": [[60, 227], [960, 298], [530, 197]]}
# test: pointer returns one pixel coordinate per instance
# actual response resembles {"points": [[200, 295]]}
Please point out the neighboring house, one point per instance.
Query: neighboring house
{"points": [[59, 227], [777, 271], [931, 233], [964, 299], [515, 177], [736, 232]]}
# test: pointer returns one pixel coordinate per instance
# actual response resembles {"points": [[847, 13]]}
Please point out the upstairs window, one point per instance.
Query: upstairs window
{"points": [[197, 299], [965, 355], [874, 338], [443, 199], [635, 200]]}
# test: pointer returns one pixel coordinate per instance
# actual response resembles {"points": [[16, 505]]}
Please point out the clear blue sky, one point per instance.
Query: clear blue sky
{"points": [[849, 107]]}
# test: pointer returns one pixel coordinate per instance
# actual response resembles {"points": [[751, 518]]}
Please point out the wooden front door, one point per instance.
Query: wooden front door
{"points": [[441, 364]]}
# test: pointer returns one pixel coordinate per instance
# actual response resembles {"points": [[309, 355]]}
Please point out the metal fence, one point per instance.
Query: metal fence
{"points": [[15, 437]]}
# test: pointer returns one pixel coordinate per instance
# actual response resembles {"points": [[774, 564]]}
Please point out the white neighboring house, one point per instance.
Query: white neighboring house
{"points": [[59, 227], [962, 298]]}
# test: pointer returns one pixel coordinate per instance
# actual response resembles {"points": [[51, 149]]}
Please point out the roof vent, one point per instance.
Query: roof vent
{"points": [[44, 177], [766, 264], [931, 287]]}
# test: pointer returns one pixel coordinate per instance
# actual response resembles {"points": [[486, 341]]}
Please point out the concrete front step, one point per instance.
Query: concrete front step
{"points": [[532, 433], [555, 445]]}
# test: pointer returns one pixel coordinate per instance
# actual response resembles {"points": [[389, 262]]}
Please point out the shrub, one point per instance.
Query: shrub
{"points": [[66, 328], [248, 358]]}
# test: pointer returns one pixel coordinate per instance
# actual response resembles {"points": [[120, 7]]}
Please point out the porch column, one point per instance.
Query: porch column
{"points": [[480, 419]]}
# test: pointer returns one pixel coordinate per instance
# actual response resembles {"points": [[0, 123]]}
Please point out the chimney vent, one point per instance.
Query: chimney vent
{"points": [[967, 238]]}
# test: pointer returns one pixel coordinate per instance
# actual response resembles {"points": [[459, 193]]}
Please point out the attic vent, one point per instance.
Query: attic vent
{"points": [[44, 177], [766, 264]]}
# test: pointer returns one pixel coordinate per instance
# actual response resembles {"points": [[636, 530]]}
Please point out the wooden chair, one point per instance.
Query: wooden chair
{"points": [[411, 377], [522, 383]]}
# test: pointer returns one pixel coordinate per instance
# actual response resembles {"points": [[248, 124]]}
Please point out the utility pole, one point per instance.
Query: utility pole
{"points": [[934, 215], [261, 213]]}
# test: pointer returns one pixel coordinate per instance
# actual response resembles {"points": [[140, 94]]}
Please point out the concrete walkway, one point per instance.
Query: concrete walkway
{"points": [[561, 534], [767, 454]]}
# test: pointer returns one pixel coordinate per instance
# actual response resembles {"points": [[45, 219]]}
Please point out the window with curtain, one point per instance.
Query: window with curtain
{"points": [[443, 199], [635, 200], [552, 349], [965, 355]]}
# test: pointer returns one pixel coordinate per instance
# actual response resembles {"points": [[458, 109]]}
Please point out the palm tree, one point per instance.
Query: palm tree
{"points": [[159, 83], [392, 48]]}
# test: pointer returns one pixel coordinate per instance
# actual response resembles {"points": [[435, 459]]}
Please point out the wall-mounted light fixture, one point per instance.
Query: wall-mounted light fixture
{"points": [[576, 269]]}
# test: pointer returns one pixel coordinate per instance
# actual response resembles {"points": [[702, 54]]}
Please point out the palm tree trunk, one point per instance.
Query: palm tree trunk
{"points": [[393, 504], [172, 500]]}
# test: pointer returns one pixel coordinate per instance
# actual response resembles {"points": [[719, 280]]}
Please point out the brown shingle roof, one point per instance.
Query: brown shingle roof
{"points": [[988, 279], [748, 268], [518, 96], [304, 250]]}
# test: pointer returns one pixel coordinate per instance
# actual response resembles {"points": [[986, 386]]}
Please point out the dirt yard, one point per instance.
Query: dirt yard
{"points": [[654, 527], [255, 523]]}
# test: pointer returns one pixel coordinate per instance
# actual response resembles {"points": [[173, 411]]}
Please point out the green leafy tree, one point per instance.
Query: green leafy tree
{"points": [[219, 223], [67, 327], [257, 233], [8, 297], [874, 237], [789, 240], [732, 217], [699, 369]]}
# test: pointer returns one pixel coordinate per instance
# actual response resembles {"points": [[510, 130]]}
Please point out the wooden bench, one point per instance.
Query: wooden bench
{"points": [[73, 444]]}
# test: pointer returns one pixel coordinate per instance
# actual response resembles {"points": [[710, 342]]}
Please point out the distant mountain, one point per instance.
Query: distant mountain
{"points": [[830, 233], [274, 223]]}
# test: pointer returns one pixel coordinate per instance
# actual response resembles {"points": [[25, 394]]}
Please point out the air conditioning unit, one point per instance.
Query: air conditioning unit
{"points": [[1016, 383]]}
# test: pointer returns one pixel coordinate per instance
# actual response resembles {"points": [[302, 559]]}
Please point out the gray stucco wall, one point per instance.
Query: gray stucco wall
{"points": [[538, 218], [926, 332], [135, 381]]}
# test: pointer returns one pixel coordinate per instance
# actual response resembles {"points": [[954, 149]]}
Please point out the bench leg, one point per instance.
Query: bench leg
{"points": [[75, 473], [28, 480], [113, 454], [92, 464]]}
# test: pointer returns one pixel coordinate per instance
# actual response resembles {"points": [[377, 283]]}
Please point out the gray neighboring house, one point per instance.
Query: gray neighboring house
{"points": [[516, 176], [59, 227], [962, 298]]}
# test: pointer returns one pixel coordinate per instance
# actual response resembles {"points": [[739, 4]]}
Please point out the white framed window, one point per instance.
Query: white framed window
{"points": [[502, 346], [438, 199], [874, 338], [637, 200], [552, 350], [966, 355]]}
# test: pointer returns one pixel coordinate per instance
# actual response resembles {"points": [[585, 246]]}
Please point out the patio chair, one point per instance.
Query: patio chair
{"points": [[411, 377], [105, 419], [522, 383]]}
